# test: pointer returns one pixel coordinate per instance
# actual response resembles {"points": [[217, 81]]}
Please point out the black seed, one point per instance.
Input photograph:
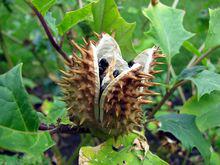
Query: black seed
{"points": [[101, 70], [116, 73], [103, 63], [130, 63]]}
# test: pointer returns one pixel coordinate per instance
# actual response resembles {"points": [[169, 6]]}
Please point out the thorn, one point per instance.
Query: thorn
{"points": [[78, 71], [68, 63], [153, 83], [146, 75], [97, 35], [149, 91], [148, 94], [93, 42], [156, 71], [113, 34], [65, 73], [146, 84], [141, 101], [120, 83], [64, 85], [77, 47], [82, 120], [159, 55], [132, 77], [84, 40], [157, 63]]}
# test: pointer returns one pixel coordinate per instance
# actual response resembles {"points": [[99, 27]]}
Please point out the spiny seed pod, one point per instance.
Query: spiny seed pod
{"points": [[103, 91], [81, 85]]}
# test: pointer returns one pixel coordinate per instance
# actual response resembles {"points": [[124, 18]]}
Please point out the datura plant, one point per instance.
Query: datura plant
{"points": [[105, 93]]}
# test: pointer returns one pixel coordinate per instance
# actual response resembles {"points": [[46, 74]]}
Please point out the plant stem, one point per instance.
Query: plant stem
{"points": [[194, 56], [68, 130], [175, 3], [49, 34], [180, 83], [165, 98], [80, 3], [180, 89], [84, 141], [12, 38], [168, 75], [198, 60], [58, 155], [5, 50], [170, 71]]}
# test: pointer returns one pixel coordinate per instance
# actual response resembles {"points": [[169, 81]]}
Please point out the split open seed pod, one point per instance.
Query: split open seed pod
{"points": [[102, 91]]}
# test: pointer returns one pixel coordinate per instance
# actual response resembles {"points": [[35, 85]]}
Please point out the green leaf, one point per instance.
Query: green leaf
{"points": [[191, 48], [189, 72], [166, 28], [29, 83], [206, 110], [16, 111], [43, 5], [184, 128], [206, 82], [73, 17], [54, 110], [18, 121], [24, 160], [24, 141], [107, 19], [104, 154], [213, 37], [215, 158], [51, 21]]}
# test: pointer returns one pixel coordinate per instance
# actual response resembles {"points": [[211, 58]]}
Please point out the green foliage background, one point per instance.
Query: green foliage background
{"points": [[23, 40]]}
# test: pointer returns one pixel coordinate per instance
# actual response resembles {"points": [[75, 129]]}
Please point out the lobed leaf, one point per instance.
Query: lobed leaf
{"points": [[206, 82], [189, 72], [184, 128], [73, 17], [53, 112], [213, 36], [18, 120], [166, 28], [43, 5], [104, 153], [206, 110], [108, 19]]}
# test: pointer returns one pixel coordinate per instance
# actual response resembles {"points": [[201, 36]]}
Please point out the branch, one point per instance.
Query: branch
{"points": [[49, 34], [180, 83], [175, 3], [204, 55], [64, 129], [166, 97]]}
